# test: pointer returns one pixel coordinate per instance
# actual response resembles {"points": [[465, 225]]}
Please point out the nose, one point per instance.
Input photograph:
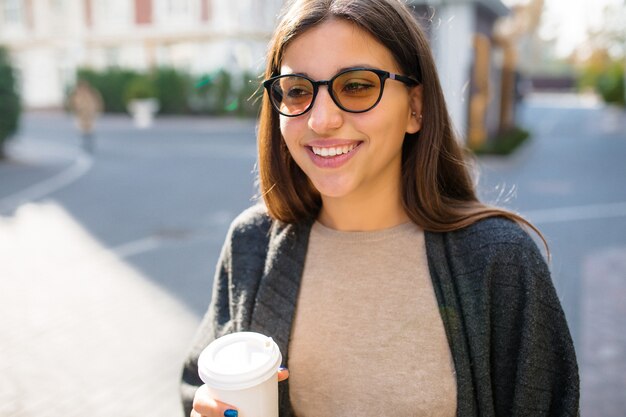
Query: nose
{"points": [[324, 116]]}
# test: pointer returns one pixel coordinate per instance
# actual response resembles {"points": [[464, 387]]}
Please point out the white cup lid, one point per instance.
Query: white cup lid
{"points": [[239, 361]]}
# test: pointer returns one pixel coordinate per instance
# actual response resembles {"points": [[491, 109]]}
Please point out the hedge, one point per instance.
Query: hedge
{"points": [[111, 84], [216, 93], [10, 107], [606, 78]]}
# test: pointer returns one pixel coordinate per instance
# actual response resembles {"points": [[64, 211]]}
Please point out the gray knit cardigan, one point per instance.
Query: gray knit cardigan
{"points": [[512, 350]]}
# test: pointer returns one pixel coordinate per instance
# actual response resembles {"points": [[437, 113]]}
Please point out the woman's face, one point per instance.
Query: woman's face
{"points": [[348, 155]]}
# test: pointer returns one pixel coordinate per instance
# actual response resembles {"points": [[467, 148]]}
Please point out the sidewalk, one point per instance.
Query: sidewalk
{"points": [[602, 358], [83, 333]]}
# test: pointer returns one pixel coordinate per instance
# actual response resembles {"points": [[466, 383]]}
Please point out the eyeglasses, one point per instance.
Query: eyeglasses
{"points": [[355, 90]]}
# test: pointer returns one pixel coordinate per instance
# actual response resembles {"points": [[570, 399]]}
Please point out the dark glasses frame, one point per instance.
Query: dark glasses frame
{"points": [[382, 75]]}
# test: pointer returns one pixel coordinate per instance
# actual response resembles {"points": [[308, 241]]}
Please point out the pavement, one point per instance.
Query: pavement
{"points": [[602, 354], [84, 332]]}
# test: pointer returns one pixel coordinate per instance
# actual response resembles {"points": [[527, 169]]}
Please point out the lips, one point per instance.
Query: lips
{"points": [[332, 154]]}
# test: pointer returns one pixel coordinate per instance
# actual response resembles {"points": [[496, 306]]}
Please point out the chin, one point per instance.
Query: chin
{"points": [[333, 190]]}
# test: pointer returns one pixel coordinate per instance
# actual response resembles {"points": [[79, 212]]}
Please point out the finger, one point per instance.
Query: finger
{"points": [[283, 373], [215, 408], [226, 410], [204, 405]]}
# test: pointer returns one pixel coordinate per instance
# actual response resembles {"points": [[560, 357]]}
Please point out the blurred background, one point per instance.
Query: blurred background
{"points": [[127, 145]]}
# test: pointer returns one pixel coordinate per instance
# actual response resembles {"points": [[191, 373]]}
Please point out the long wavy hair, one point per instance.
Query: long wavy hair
{"points": [[438, 192]]}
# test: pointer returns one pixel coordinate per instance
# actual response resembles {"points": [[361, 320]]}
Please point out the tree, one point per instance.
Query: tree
{"points": [[10, 107], [611, 35], [602, 59]]}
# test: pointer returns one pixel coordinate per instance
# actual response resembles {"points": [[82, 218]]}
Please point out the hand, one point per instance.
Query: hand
{"points": [[205, 406]]}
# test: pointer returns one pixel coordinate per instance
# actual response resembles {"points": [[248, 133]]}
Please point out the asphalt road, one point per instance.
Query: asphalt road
{"points": [[161, 198], [127, 238]]}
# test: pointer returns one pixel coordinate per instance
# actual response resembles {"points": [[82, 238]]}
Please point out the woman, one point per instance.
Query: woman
{"points": [[388, 286], [86, 102]]}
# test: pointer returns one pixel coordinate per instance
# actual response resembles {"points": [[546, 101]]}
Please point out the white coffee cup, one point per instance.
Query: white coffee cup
{"points": [[241, 369]]}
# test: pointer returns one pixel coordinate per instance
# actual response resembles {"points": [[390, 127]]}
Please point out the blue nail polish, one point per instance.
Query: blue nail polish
{"points": [[231, 413], [282, 368]]}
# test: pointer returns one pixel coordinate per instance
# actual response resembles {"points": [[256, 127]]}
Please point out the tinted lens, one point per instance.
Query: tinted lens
{"points": [[357, 90], [292, 95]]}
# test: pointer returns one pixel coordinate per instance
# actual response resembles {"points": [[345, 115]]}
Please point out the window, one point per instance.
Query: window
{"points": [[177, 7], [57, 6], [112, 57], [12, 12], [177, 11], [112, 14]]}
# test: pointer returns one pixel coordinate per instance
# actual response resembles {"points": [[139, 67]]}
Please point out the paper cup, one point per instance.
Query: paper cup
{"points": [[241, 369]]}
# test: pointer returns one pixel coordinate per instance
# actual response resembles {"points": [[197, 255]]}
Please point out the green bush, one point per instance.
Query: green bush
{"points": [[610, 84], [606, 77], [249, 96], [111, 84], [139, 87], [213, 94], [505, 143], [10, 108], [173, 89], [218, 93]]}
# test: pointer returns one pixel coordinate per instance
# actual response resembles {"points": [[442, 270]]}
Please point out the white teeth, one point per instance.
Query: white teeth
{"points": [[333, 151]]}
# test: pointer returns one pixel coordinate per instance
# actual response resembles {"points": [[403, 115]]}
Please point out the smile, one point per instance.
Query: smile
{"points": [[334, 151], [334, 155]]}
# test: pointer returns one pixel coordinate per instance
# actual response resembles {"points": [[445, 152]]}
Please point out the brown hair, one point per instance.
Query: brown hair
{"points": [[438, 191]]}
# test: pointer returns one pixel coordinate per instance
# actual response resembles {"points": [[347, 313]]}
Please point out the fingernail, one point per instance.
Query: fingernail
{"points": [[282, 368], [231, 413]]}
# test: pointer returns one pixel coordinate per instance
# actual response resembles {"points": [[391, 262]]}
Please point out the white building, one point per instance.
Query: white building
{"points": [[50, 39]]}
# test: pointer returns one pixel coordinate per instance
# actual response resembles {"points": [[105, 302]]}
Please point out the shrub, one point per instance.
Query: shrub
{"points": [[212, 94], [218, 93], [250, 95], [111, 84], [10, 107], [610, 84], [605, 76], [139, 87], [173, 89], [505, 143]]}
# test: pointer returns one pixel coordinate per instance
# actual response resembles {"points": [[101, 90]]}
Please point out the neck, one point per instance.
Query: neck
{"points": [[374, 211]]}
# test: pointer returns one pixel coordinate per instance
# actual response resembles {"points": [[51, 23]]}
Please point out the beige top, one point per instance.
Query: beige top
{"points": [[367, 337]]}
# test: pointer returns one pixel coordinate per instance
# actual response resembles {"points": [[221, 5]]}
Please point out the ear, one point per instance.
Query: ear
{"points": [[414, 122]]}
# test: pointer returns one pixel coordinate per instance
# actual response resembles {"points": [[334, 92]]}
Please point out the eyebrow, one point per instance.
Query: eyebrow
{"points": [[351, 67]]}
